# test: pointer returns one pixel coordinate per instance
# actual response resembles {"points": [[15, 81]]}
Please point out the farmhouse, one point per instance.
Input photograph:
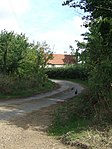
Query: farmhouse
{"points": [[60, 60]]}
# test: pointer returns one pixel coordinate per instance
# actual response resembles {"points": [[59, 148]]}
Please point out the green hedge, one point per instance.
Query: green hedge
{"points": [[71, 72]]}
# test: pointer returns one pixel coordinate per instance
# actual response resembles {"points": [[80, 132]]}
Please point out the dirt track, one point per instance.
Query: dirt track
{"points": [[29, 132]]}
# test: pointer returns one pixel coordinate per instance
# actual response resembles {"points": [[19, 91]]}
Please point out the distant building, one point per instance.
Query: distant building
{"points": [[60, 60]]}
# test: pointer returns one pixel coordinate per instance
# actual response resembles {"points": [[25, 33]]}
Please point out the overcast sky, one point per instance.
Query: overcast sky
{"points": [[43, 20]]}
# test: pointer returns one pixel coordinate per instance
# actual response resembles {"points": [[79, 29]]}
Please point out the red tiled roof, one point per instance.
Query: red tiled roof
{"points": [[61, 59]]}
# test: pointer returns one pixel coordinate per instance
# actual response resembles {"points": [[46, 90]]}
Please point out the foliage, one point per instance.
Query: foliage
{"points": [[95, 8], [21, 60], [14, 87], [95, 106], [36, 60], [12, 51], [80, 57], [98, 51], [70, 115], [78, 123], [68, 72], [17, 54], [43, 56], [99, 62], [76, 54]]}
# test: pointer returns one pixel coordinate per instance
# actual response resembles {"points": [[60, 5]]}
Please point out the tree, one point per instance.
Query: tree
{"points": [[22, 64], [99, 62], [43, 55], [79, 56], [22, 59], [99, 45], [96, 8], [13, 49], [75, 53]]}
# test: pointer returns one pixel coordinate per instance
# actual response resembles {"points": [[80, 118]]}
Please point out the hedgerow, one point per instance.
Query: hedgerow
{"points": [[70, 72]]}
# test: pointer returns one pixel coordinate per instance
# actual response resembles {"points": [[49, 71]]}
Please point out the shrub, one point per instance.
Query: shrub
{"points": [[13, 84], [70, 72]]}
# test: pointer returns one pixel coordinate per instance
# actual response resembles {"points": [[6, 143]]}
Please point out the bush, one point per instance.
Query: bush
{"points": [[16, 87], [13, 84], [69, 72]]}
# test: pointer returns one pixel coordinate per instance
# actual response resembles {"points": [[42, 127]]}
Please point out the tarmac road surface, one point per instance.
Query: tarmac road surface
{"points": [[17, 107]]}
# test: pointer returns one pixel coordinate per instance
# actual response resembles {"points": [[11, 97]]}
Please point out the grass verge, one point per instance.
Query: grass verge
{"points": [[20, 93], [76, 122]]}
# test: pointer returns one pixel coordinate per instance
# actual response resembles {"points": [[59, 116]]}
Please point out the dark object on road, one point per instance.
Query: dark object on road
{"points": [[72, 88], [76, 92]]}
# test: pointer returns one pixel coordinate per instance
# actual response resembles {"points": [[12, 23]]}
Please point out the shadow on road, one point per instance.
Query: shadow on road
{"points": [[37, 120]]}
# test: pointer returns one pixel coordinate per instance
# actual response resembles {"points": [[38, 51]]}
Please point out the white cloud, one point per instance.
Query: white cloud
{"points": [[10, 25], [48, 23], [64, 36], [16, 6], [10, 13]]}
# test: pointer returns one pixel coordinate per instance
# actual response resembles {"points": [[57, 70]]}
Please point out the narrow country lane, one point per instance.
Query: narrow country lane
{"points": [[23, 122], [18, 107]]}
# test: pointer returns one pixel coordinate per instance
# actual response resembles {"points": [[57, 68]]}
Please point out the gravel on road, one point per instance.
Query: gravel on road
{"points": [[23, 122]]}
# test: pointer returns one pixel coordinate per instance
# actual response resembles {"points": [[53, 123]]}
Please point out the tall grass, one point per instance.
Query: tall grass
{"points": [[84, 123], [13, 86]]}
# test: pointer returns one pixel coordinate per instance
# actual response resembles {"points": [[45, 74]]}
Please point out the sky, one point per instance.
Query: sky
{"points": [[43, 20]]}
